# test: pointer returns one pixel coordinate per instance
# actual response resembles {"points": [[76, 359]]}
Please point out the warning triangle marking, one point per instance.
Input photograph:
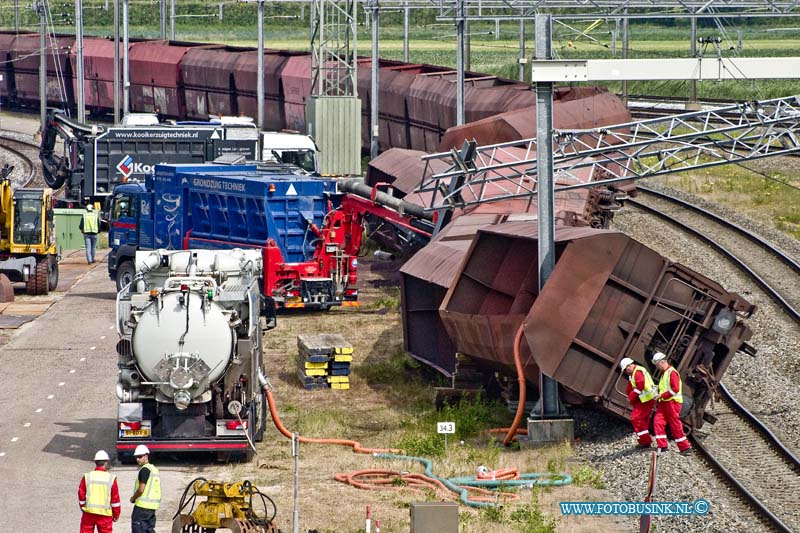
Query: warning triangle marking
{"points": [[291, 191], [216, 135]]}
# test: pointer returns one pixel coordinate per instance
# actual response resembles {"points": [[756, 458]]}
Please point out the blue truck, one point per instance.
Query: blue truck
{"points": [[309, 244]]}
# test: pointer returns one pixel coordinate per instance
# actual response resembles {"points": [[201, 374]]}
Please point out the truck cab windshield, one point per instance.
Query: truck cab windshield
{"points": [[122, 207], [304, 159]]}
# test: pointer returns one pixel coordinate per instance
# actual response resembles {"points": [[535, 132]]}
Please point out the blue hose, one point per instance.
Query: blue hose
{"points": [[527, 480]]}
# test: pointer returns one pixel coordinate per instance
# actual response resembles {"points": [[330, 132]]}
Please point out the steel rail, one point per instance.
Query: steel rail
{"points": [[768, 436], [773, 293], [28, 161], [751, 498], [788, 261]]}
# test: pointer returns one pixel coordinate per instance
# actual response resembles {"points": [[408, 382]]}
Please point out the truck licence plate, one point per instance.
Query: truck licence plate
{"points": [[143, 431], [128, 433]]}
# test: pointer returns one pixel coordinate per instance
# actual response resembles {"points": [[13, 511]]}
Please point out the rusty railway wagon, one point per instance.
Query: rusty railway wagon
{"points": [[402, 170], [608, 297]]}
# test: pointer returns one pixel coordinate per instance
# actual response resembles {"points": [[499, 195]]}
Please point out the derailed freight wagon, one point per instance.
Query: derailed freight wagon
{"points": [[608, 297]]}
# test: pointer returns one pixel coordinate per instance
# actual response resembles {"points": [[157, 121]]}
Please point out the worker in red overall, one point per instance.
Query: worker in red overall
{"points": [[641, 394], [98, 497], [668, 411]]}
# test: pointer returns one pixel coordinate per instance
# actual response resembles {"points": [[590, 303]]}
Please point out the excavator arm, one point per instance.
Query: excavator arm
{"points": [[59, 169]]}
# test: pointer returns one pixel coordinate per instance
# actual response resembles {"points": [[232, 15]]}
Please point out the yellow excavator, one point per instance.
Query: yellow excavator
{"points": [[27, 239]]}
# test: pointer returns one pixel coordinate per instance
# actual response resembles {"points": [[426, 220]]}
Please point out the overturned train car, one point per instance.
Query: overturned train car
{"points": [[608, 297]]}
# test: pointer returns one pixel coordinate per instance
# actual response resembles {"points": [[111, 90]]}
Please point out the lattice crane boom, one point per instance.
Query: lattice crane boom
{"points": [[613, 154]]}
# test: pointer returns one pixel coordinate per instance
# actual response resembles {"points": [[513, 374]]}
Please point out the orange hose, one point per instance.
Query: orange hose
{"points": [[501, 474], [357, 448], [512, 431], [375, 479], [521, 431]]}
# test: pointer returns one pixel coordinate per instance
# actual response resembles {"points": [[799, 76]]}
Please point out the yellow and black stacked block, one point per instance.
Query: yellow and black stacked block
{"points": [[324, 357], [312, 362]]}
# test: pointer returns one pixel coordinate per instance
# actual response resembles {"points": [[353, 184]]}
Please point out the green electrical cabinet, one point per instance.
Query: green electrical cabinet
{"points": [[68, 233]]}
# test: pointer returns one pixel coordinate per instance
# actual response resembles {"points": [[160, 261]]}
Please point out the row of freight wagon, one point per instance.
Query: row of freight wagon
{"points": [[194, 80]]}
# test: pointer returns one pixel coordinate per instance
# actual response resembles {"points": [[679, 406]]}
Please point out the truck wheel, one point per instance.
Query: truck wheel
{"points": [[260, 417], [52, 274], [125, 273], [37, 283]]}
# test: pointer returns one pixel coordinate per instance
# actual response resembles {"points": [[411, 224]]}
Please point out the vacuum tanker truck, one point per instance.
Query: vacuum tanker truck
{"points": [[190, 352]]}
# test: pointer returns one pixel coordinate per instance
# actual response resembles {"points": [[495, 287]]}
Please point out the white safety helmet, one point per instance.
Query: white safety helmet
{"points": [[141, 450], [89, 207], [101, 456], [625, 362], [658, 356]]}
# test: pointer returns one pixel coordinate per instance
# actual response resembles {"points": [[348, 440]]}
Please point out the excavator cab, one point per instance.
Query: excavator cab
{"points": [[29, 227]]}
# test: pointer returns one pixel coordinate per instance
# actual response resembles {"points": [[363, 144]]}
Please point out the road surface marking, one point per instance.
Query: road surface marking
{"points": [[93, 348], [102, 337], [82, 359], [26, 424], [39, 410], [15, 439], [62, 384], [72, 371], [50, 397], [2, 454]]}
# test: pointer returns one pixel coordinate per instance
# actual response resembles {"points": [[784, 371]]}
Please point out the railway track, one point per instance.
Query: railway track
{"points": [[742, 451], [772, 269], [16, 147], [754, 463]]}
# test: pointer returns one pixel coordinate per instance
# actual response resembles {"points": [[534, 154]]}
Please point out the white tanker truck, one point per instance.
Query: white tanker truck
{"points": [[190, 353]]}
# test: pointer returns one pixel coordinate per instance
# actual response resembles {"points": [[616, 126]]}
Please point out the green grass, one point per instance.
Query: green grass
{"points": [[530, 519], [471, 417], [586, 476], [388, 301], [768, 199], [396, 370]]}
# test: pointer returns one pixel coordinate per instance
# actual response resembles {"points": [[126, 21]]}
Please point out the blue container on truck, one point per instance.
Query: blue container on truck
{"points": [[295, 220]]}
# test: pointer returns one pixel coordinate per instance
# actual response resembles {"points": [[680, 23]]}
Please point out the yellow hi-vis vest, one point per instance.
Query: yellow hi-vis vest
{"points": [[151, 496], [98, 492], [90, 223], [663, 386], [649, 391]]}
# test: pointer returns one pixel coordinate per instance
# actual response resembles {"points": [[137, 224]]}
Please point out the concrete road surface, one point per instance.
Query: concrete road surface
{"points": [[59, 408]]}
